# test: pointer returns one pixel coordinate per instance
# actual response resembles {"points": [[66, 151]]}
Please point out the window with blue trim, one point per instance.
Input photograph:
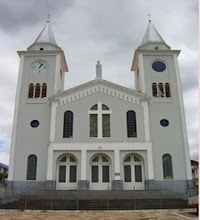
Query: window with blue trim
{"points": [[131, 124], [68, 125]]}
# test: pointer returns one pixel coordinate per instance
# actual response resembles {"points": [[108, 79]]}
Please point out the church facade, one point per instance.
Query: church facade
{"points": [[99, 135]]}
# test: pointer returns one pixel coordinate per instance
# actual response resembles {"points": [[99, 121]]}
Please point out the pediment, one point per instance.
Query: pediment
{"points": [[100, 86]]}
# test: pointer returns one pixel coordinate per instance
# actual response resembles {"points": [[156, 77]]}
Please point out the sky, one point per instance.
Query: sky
{"points": [[92, 30]]}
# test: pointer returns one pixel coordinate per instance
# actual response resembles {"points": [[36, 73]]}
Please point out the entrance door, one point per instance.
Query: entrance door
{"points": [[133, 173], [67, 173], [100, 173]]}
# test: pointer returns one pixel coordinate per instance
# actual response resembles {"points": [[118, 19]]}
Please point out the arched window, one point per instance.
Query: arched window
{"points": [[37, 90], [131, 124], [31, 90], [133, 168], [161, 90], [31, 167], [154, 90], [68, 125], [100, 121], [167, 90], [44, 90], [100, 169], [167, 166], [67, 169]]}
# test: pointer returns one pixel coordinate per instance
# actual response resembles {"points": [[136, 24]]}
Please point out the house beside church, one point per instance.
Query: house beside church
{"points": [[99, 135]]}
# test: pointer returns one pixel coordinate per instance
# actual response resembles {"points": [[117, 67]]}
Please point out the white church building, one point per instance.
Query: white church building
{"points": [[99, 135]]}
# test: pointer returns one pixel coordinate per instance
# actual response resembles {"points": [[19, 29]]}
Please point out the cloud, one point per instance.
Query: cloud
{"points": [[16, 15], [92, 30]]}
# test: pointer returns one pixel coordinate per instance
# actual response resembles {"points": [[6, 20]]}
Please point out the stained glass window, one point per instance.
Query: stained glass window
{"points": [[31, 167], [68, 125], [131, 124], [93, 125], [167, 166], [106, 125]]}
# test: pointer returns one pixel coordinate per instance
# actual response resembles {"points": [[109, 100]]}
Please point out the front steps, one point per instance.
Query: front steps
{"points": [[94, 200]]}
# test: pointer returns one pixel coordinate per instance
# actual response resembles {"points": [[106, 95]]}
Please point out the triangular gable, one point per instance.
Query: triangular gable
{"points": [[99, 85]]}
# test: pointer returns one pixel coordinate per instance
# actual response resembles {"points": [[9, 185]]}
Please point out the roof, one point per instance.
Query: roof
{"points": [[98, 82], [3, 165], [46, 35], [151, 35]]}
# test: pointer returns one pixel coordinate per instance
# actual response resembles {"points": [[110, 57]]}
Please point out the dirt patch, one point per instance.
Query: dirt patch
{"points": [[90, 215]]}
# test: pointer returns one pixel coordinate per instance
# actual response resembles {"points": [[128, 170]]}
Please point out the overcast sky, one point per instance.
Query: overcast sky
{"points": [[91, 30]]}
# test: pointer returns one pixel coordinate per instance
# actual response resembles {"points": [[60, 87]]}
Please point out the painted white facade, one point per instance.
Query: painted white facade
{"points": [[82, 162]]}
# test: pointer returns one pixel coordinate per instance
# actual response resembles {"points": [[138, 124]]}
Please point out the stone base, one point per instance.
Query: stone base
{"points": [[117, 185], [22, 187], [178, 186], [83, 185]]}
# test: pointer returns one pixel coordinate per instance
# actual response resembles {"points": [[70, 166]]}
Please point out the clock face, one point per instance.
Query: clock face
{"points": [[39, 66], [158, 66]]}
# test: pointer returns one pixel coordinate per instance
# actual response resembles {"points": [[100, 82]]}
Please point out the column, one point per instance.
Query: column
{"points": [[83, 183], [117, 183]]}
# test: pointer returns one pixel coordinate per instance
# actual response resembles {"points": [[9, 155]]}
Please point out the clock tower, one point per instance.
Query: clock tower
{"points": [[157, 75], [41, 75]]}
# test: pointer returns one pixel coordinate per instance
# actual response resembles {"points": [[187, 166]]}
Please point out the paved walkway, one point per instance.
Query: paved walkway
{"points": [[98, 215]]}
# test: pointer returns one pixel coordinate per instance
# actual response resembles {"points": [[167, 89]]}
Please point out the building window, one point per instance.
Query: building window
{"points": [[100, 169], [133, 169], [93, 125], [34, 123], [164, 122], [68, 125], [131, 124], [31, 167], [37, 90], [31, 90], [99, 121], [154, 90], [161, 90], [44, 90], [67, 169], [167, 90], [167, 166]]}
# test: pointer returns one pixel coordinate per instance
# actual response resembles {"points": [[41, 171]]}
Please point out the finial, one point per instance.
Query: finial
{"points": [[48, 16], [149, 15], [98, 70]]}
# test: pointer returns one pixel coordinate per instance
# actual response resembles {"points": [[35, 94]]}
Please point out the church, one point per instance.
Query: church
{"points": [[99, 135]]}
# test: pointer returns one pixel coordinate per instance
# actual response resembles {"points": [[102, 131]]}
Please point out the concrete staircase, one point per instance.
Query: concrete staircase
{"points": [[94, 200]]}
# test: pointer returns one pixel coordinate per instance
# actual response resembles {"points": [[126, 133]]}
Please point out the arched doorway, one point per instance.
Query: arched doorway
{"points": [[100, 172], [133, 172], [67, 172]]}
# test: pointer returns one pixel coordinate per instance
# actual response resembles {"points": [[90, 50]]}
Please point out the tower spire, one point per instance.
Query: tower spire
{"points": [[46, 35]]}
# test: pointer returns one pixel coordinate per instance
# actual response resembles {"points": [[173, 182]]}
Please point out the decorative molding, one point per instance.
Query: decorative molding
{"points": [[99, 89]]}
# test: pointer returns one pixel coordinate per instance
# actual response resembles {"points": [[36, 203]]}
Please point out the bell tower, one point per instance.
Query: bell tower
{"points": [[157, 74], [41, 75]]}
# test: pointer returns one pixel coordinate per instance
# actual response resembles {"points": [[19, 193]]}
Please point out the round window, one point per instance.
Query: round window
{"points": [[34, 123], [164, 122], [158, 66]]}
